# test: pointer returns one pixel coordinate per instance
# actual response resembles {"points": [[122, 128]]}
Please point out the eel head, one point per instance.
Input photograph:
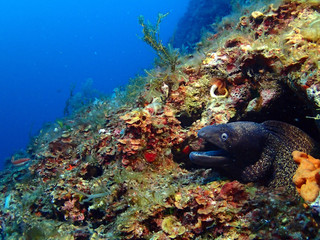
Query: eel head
{"points": [[234, 144]]}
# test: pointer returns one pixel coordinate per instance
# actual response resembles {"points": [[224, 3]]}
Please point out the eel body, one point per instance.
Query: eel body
{"points": [[254, 152]]}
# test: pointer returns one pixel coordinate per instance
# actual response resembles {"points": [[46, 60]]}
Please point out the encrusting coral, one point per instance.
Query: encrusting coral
{"points": [[307, 176]]}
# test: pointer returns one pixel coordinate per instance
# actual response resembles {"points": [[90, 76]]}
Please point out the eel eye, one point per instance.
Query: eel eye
{"points": [[224, 137]]}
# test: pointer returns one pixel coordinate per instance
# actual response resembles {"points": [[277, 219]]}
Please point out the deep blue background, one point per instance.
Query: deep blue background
{"points": [[47, 45]]}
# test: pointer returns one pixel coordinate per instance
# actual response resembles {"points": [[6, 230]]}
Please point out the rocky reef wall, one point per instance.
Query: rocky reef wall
{"points": [[120, 168]]}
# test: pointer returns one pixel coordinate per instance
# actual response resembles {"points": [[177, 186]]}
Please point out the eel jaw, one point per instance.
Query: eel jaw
{"points": [[218, 158], [211, 155]]}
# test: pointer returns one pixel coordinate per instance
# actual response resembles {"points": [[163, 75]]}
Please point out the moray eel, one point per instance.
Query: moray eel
{"points": [[253, 152]]}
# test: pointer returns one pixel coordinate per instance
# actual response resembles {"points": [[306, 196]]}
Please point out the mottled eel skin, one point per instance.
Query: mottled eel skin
{"points": [[253, 152]]}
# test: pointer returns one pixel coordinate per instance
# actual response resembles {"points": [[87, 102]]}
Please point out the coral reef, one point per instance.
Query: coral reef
{"points": [[119, 168]]}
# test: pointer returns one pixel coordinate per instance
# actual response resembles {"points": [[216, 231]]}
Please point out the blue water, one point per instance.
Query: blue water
{"points": [[47, 46]]}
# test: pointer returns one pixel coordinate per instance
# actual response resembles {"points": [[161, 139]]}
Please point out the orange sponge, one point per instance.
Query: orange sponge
{"points": [[307, 177]]}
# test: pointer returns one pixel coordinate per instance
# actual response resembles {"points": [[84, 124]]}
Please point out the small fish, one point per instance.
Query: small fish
{"points": [[254, 152], [20, 161]]}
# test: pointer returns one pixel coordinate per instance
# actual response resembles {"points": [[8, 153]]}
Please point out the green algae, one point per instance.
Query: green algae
{"points": [[167, 55], [197, 96], [312, 31], [129, 95], [308, 2]]}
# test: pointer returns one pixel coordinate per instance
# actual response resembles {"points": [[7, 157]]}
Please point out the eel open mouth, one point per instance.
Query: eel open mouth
{"points": [[211, 156]]}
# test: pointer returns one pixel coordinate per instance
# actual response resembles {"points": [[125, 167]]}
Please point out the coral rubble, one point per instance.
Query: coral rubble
{"points": [[119, 168]]}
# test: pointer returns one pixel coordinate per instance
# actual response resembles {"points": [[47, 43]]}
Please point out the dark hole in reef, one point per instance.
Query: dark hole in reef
{"points": [[96, 214], [289, 108], [187, 119], [232, 43], [92, 172], [151, 225], [255, 64], [258, 21], [179, 156]]}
